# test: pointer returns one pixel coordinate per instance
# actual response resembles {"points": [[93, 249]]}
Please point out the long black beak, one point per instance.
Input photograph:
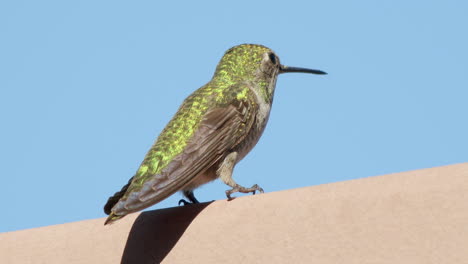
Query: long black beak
{"points": [[284, 69]]}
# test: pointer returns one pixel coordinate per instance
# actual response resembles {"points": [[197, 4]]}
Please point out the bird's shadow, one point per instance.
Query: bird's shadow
{"points": [[155, 233]]}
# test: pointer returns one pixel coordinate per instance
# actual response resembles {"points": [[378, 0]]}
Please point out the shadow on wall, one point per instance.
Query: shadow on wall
{"points": [[154, 233]]}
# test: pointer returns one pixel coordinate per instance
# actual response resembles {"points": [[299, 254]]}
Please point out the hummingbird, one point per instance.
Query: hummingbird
{"points": [[214, 128]]}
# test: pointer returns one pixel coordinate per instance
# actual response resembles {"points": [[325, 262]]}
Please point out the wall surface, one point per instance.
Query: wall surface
{"points": [[412, 217]]}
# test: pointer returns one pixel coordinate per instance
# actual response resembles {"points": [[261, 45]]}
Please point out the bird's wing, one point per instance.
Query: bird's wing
{"points": [[221, 129]]}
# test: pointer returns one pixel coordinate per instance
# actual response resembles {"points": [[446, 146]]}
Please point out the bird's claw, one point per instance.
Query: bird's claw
{"points": [[183, 202], [257, 188], [242, 189]]}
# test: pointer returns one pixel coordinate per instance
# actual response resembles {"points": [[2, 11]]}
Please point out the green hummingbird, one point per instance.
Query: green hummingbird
{"points": [[214, 128]]}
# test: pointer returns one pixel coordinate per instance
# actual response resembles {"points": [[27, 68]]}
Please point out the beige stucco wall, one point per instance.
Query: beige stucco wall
{"points": [[412, 217]]}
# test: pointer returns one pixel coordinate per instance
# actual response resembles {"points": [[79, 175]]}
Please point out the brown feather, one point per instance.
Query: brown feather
{"points": [[217, 134]]}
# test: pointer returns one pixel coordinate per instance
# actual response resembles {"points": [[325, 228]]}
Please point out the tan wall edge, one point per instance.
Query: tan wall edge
{"points": [[412, 217]]}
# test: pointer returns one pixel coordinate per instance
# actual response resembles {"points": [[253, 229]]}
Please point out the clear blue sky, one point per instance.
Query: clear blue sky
{"points": [[86, 86]]}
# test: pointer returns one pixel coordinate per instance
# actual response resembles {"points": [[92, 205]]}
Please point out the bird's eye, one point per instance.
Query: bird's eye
{"points": [[272, 57]]}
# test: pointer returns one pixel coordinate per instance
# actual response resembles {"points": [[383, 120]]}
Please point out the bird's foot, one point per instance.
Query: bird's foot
{"points": [[242, 189], [189, 194], [184, 202]]}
